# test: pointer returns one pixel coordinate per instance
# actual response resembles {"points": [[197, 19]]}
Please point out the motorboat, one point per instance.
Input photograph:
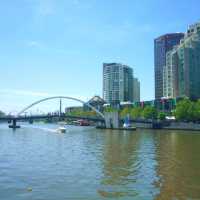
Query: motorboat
{"points": [[125, 125], [82, 122], [61, 129], [128, 127]]}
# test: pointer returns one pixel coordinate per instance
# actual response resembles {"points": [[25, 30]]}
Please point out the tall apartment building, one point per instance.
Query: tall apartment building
{"points": [[117, 83], [169, 75], [162, 45], [136, 90], [182, 70]]}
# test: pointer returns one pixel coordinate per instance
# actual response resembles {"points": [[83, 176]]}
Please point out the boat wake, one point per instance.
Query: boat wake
{"points": [[53, 130]]}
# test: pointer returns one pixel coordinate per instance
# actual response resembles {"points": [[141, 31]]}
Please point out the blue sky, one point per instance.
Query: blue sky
{"points": [[57, 47]]}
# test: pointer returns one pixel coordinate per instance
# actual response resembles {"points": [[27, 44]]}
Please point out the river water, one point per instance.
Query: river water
{"points": [[37, 163]]}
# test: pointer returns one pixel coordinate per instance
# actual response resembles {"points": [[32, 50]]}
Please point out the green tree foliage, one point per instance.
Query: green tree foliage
{"points": [[161, 116], [187, 110], [136, 112], [110, 109], [198, 109], [126, 111], [149, 112], [181, 111], [81, 112]]}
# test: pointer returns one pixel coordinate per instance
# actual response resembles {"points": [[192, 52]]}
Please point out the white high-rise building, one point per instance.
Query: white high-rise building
{"points": [[182, 70], [117, 83]]}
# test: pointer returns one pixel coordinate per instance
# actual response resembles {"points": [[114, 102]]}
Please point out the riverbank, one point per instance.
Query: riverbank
{"points": [[190, 126], [187, 126], [120, 128]]}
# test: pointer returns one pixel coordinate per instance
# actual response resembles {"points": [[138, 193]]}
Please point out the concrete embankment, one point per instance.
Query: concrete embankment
{"points": [[113, 121], [190, 126], [142, 125]]}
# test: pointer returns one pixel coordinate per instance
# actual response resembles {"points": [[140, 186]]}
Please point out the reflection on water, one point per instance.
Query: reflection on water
{"points": [[86, 163], [128, 165], [178, 157]]}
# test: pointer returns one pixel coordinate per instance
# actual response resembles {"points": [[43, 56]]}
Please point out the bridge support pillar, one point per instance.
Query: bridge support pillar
{"points": [[112, 120], [14, 124]]}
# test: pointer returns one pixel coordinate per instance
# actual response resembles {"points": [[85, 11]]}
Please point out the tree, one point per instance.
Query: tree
{"points": [[161, 116], [110, 109], [187, 110], [181, 110], [192, 112], [198, 109], [136, 112], [126, 111], [149, 112]]}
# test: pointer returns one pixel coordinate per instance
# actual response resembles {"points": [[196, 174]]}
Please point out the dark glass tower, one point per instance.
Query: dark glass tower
{"points": [[162, 45]]}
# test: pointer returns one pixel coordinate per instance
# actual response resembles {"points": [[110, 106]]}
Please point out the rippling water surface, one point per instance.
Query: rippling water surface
{"points": [[37, 163]]}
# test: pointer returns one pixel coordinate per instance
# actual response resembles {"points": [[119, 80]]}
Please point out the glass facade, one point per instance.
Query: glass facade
{"points": [[163, 105], [186, 65], [170, 74], [117, 83], [136, 90], [162, 45]]}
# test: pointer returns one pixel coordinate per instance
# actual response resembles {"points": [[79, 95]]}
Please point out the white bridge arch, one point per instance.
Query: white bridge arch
{"points": [[61, 97]]}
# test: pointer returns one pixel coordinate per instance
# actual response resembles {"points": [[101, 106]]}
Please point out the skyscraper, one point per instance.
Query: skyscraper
{"points": [[162, 45], [117, 83], [170, 75], [136, 90], [183, 66]]}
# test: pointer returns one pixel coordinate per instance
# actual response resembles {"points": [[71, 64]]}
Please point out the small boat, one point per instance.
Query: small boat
{"points": [[61, 129], [131, 128], [126, 125], [82, 122]]}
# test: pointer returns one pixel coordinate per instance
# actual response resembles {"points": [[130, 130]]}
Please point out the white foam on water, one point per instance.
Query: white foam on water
{"points": [[54, 130]]}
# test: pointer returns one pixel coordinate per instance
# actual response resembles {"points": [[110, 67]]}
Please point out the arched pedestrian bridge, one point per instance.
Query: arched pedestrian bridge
{"points": [[19, 115], [60, 97]]}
